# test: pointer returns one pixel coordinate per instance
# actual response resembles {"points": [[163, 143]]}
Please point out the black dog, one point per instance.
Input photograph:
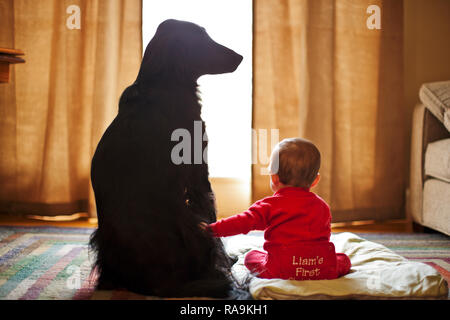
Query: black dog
{"points": [[149, 208]]}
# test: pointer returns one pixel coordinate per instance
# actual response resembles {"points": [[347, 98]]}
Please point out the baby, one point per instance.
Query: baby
{"points": [[296, 221]]}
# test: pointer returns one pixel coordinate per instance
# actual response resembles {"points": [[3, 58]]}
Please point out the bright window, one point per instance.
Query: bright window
{"points": [[227, 98]]}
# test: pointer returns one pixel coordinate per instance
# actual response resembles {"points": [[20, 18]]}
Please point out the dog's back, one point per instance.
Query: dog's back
{"points": [[149, 208], [148, 240]]}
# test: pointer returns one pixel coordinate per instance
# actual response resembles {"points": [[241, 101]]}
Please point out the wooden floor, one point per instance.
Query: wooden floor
{"points": [[394, 226], [10, 220]]}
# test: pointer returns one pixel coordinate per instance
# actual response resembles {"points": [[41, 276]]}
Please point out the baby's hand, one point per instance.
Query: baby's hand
{"points": [[203, 225]]}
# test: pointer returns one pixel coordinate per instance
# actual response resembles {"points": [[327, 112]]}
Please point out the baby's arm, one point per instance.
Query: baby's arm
{"points": [[255, 218]]}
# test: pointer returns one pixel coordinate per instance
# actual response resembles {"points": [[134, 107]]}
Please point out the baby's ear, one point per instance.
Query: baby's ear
{"points": [[316, 180], [275, 178]]}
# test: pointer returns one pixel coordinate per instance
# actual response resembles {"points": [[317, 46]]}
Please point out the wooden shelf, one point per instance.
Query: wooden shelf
{"points": [[8, 56]]}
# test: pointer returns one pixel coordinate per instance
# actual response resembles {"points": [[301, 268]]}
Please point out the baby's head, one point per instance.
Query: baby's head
{"points": [[294, 162]]}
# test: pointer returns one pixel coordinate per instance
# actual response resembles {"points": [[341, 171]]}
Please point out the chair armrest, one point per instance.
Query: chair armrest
{"points": [[415, 197]]}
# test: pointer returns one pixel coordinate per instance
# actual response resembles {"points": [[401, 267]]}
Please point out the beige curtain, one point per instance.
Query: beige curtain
{"points": [[58, 104], [321, 74]]}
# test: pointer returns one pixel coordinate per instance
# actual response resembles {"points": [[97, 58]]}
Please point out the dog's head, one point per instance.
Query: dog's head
{"points": [[183, 51]]}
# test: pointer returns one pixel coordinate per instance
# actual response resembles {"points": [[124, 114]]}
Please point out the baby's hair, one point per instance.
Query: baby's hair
{"points": [[296, 161]]}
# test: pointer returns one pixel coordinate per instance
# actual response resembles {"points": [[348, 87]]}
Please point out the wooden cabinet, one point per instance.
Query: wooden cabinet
{"points": [[8, 57]]}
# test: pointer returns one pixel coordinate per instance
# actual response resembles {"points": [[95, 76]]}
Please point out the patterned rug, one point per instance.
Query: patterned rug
{"points": [[45, 263], [54, 263], [432, 248]]}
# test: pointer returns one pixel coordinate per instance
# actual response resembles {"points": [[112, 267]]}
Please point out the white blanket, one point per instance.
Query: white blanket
{"points": [[376, 272]]}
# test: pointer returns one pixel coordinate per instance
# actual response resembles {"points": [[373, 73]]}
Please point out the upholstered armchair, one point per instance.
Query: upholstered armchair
{"points": [[429, 191]]}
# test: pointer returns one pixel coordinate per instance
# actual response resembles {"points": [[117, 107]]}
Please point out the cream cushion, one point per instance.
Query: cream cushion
{"points": [[436, 205], [437, 160]]}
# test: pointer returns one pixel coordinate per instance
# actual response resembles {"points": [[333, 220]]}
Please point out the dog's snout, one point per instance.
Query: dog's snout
{"points": [[238, 59], [231, 61]]}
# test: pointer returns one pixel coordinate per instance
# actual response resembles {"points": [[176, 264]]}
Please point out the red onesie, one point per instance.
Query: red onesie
{"points": [[297, 233]]}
